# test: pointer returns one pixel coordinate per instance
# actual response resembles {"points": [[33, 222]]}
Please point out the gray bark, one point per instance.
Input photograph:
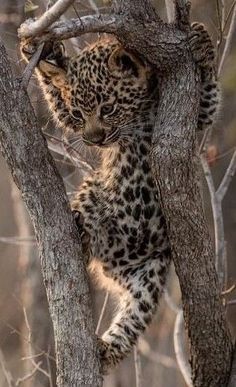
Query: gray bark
{"points": [[175, 166], [34, 172]]}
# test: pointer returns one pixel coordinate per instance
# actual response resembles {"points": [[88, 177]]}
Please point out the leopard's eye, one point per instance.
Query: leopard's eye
{"points": [[77, 115], [108, 109]]}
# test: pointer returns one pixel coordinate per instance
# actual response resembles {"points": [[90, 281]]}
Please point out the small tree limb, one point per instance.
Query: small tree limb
{"points": [[74, 27], [231, 170], [33, 28]]}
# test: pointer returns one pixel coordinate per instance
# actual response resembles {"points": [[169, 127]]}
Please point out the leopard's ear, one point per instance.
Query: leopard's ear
{"points": [[54, 73], [122, 62]]}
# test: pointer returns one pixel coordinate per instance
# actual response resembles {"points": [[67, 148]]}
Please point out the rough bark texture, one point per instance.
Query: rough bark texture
{"points": [[34, 172], [175, 166]]}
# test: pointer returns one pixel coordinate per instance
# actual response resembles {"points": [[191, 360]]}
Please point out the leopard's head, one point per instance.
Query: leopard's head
{"points": [[107, 91]]}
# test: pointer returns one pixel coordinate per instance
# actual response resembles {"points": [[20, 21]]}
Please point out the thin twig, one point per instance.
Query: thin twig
{"points": [[22, 337], [102, 313], [170, 10], [29, 69], [220, 27], [138, 368], [31, 355], [222, 2], [7, 374], [19, 240], [231, 170], [229, 15], [27, 376], [229, 291], [216, 204], [228, 40], [49, 370], [179, 351], [205, 140]]}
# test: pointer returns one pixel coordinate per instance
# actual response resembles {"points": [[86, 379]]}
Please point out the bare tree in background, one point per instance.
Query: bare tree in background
{"points": [[175, 166]]}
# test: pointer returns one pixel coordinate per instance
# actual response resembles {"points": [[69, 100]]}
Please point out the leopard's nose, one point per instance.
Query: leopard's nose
{"points": [[94, 138]]}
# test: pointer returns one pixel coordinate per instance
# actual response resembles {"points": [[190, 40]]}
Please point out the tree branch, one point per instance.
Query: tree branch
{"points": [[74, 27], [229, 39], [231, 170], [30, 29], [65, 278], [219, 234]]}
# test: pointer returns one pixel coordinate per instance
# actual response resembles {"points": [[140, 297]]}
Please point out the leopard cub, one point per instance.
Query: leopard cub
{"points": [[107, 98]]}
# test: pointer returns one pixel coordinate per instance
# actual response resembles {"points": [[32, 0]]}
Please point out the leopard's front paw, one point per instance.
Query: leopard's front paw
{"points": [[28, 47], [201, 45], [52, 53], [84, 235], [108, 356], [107, 360]]}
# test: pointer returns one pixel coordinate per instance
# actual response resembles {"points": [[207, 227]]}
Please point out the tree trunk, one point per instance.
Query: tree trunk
{"points": [[65, 279]]}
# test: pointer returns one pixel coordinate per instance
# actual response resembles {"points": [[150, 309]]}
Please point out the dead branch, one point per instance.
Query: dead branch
{"points": [[228, 39], [102, 312], [219, 234], [170, 10], [231, 170], [53, 13], [179, 349], [75, 27], [138, 368]]}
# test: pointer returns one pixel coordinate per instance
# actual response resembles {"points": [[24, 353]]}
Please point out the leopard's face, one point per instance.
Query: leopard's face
{"points": [[109, 92]]}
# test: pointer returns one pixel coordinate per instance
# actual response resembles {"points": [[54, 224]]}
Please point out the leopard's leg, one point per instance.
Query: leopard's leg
{"points": [[51, 72], [137, 306], [84, 235], [204, 55]]}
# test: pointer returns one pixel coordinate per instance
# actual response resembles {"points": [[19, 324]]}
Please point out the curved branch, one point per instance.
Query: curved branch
{"points": [[33, 28], [179, 349], [74, 27]]}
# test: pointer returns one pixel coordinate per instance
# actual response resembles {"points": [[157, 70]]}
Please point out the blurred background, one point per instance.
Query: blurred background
{"points": [[26, 339]]}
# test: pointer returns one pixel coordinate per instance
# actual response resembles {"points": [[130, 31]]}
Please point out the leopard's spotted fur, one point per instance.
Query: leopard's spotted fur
{"points": [[108, 97]]}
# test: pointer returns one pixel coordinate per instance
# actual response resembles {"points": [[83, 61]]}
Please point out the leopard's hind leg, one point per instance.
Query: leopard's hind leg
{"points": [[204, 55], [142, 289]]}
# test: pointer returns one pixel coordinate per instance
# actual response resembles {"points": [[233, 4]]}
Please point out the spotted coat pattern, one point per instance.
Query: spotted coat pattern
{"points": [[106, 97]]}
